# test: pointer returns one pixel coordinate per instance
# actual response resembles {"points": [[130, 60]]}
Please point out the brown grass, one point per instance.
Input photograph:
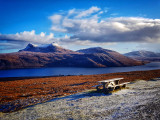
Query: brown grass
{"points": [[12, 89]]}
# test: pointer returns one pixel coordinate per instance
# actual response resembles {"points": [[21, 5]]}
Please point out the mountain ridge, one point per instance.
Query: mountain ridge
{"points": [[142, 53], [60, 57]]}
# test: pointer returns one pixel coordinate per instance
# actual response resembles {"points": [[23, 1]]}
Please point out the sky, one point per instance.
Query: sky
{"points": [[120, 25]]}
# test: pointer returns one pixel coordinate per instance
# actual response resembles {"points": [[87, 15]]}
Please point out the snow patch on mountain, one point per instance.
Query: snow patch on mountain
{"points": [[142, 53], [46, 48]]}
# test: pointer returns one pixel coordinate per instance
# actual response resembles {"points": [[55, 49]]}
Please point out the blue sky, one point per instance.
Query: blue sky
{"points": [[33, 18]]}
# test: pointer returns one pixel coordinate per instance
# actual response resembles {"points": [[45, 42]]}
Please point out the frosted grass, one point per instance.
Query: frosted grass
{"points": [[129, 103]]}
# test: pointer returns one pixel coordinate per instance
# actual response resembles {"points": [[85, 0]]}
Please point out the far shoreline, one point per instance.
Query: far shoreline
{"points": [[12, 74], [35, 77]]}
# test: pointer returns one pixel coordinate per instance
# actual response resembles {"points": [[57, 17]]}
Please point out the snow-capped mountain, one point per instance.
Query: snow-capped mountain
{"points": [[51, 55], [144, 55], [46, 48]]}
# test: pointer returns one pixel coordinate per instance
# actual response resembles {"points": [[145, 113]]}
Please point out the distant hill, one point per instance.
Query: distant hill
{"points": [[107, 57], [144, 55], [95, 50], [55, 56]]}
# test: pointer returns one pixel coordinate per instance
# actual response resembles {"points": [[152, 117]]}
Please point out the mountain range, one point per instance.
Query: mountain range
{"points": [[144, 55], [51, 55]]}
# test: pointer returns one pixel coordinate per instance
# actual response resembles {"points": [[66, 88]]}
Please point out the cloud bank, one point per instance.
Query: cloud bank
{"points": [[89, 25], [28, 36]]}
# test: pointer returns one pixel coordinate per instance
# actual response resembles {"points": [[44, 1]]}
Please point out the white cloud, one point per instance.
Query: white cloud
{"points": [[58, 29], [50, 36], [70, 12], [29, 36], [42, 34], [117, 30], [89, 26], [88, 12], [72, 17], [84, 43], [101, 12], [56, 19]]}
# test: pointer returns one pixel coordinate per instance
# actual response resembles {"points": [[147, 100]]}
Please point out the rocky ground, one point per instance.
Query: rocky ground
{"points": [[139, 101]]}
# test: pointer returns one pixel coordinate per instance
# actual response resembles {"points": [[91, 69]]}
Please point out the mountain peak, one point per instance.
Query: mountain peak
{"points": [[54, 44], [94, 50], [32, 45], [46, 48]]}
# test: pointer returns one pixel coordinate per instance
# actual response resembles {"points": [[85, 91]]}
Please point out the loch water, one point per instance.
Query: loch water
{"points": [[56, 71]]}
